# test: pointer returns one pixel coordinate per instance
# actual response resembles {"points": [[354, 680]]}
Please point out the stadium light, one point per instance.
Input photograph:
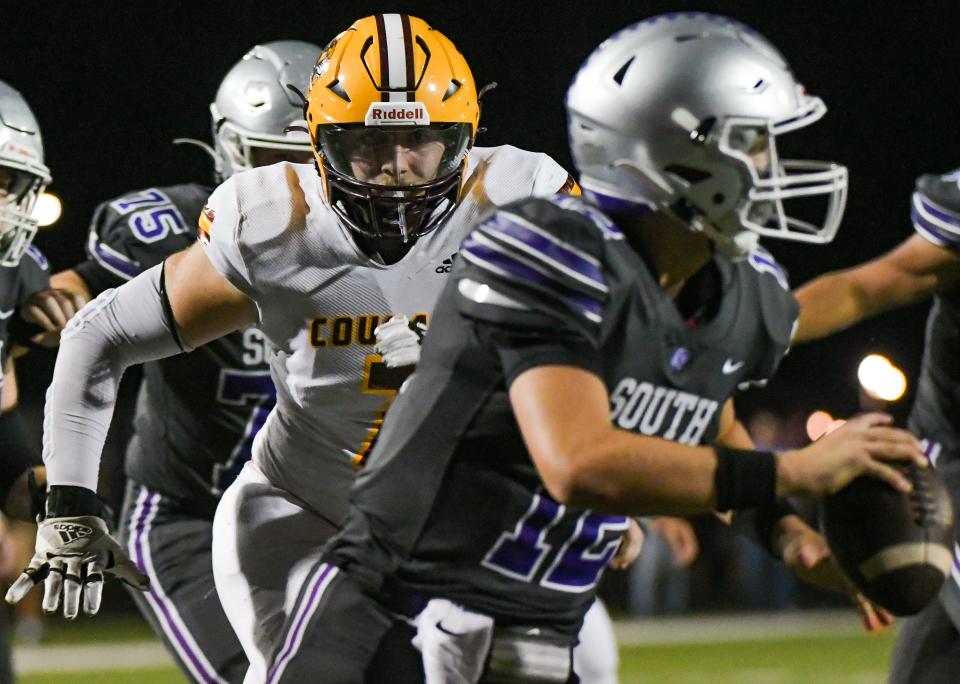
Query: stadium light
{"points": [[880, 379], [818, 423], [47, 209]]}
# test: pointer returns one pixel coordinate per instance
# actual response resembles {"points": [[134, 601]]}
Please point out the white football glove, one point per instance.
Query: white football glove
{"points": [[398, 342], [71, 555]]}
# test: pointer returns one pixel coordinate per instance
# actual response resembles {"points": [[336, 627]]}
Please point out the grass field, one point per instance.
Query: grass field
{"points": [[749, 650]]}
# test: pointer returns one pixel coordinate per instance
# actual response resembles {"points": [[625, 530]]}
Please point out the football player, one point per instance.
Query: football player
{"points": [[580, 367], [24, 273], [196, 414], [924, 265], [316, 255]]}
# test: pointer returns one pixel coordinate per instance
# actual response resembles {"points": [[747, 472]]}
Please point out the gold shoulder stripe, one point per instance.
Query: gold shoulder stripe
{"points": [[570, 187], [205, 223]]}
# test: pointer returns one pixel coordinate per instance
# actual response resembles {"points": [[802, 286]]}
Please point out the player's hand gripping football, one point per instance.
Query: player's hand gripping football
{"points": [[806, 553], [398, 341], [862, 446], [44, 314], [630, 546], [71, 556]]}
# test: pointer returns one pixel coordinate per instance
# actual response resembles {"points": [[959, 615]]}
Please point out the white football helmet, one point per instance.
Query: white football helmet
{"points": [[23, 175], [254, 108], [682, 112]]}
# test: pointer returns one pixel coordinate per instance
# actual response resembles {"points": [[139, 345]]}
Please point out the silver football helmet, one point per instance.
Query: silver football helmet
{"points": [[681, 112], [254, 108], [23, 175]]}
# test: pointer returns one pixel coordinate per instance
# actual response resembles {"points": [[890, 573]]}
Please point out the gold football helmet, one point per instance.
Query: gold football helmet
{"points": [[392, 111]]}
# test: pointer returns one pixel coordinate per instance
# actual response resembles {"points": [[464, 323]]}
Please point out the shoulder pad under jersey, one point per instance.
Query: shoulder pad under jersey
{"points": [[935, 209], [538, 262]]}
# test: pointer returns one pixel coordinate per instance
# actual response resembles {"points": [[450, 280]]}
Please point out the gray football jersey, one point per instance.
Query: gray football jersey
{"points": [[935, 415], [450, 504], [273, 235], [936, 409], [17, 283], [196, 413]]}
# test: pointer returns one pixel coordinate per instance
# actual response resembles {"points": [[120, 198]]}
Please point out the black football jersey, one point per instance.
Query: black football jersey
{"points": [[17, 283], [936, 410], [196, 413], [450, 504]]}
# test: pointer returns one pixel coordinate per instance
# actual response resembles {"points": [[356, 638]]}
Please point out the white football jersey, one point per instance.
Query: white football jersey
{"points": [[274, 236]]}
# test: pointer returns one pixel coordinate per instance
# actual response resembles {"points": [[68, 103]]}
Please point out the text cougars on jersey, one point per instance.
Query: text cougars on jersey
{"points": [[661, 411], [342, 331]]}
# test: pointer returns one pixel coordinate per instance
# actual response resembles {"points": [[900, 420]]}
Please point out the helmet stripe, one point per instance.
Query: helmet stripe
{"points": [[408, 55], [384, 68], [396, 51]]}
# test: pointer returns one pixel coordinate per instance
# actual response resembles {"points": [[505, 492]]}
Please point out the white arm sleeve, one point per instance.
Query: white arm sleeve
{"points": [[120, 328]]}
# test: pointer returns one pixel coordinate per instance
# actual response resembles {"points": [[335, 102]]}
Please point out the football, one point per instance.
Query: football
{"points": [[895, 547]]}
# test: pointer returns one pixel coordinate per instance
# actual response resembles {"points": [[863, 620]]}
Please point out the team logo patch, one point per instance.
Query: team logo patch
{"points": [[70, 532], [397, 113], [679, 358]]}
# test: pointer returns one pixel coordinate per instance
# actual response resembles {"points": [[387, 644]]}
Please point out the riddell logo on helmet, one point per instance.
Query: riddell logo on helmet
{"points": [[397, 113]]}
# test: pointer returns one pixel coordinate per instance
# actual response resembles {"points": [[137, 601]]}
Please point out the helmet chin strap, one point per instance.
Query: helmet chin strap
{"points": [[736, 245]]}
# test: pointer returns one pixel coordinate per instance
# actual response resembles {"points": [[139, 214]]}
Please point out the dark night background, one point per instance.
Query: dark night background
{"points": [[113, 82]]}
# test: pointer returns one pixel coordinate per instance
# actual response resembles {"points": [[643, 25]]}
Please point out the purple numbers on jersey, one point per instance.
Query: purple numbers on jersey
{"points": [[585, 555], [155, 224], [243, 388], [147, 198], [577, 563], [519, 553]]}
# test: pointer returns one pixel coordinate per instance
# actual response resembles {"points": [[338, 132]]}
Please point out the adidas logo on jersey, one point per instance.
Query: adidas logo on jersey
{"points": [[70, 532], [447, 264]]}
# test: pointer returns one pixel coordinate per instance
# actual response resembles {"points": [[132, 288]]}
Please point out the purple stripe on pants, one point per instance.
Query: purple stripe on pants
{"points": [[141, 559], [294, 636]]}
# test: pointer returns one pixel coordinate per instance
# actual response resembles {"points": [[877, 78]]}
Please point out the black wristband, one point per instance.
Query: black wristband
{"points": [[67, 501], [744, 479]]}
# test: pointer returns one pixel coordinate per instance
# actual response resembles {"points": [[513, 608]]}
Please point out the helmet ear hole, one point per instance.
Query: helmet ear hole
{"points": [[622, 71], [337, 89], [452, 89]]}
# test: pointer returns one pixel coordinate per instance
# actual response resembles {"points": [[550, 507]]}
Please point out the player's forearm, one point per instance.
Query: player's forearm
{"points": [[71, 281], [637, 475], [120, 328], [829, 304], [620, 472]]}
